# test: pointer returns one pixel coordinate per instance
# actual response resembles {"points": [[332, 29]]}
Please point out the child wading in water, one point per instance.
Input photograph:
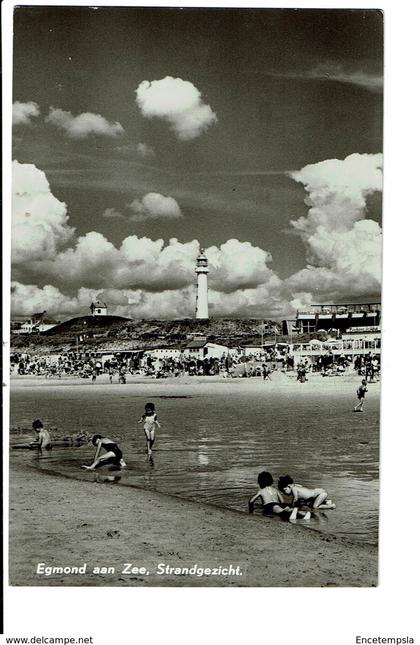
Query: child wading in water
{"points": [[314, 498], [361, 392], [112, 457], [273, 501], [149, 418], [43, 439]]}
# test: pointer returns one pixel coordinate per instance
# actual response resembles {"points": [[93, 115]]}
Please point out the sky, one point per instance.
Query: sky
{"points": [[143, 134]]}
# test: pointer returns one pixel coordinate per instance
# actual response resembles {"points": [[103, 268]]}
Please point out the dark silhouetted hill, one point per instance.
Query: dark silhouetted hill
{"points": [[117, 333]]}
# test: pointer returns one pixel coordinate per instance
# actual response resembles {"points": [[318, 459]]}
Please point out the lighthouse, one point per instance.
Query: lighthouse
{"points": [[202, 305]]}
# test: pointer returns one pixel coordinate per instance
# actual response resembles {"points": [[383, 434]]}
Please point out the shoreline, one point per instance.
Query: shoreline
{"points": [[278, 379], [59, 521]]}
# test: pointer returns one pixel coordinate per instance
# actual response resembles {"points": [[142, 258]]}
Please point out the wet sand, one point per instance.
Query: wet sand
{"points": [[63, 522]]}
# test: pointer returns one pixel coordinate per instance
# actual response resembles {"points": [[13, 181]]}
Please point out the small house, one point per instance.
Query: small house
{"points": [[98, 308]]}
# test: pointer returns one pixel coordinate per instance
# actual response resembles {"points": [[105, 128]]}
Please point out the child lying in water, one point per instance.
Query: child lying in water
{"points": [[314, 498], [272, 500]]}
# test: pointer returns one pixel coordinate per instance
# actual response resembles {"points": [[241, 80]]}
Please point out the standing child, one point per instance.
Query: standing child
{"points": [[149, 418], [43, 436], [272, 500], [361, 393]]}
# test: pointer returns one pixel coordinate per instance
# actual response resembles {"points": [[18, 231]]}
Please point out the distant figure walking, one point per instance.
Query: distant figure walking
{"points": [[266, 373], [361, 393], [150, 420], [301, 372], [43, 436]]}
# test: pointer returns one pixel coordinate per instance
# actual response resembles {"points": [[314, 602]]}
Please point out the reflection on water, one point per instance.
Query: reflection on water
{"points": [[211, 448]]}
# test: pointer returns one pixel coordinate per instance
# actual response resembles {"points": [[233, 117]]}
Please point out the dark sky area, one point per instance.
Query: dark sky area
{"points": [[285, 86]]}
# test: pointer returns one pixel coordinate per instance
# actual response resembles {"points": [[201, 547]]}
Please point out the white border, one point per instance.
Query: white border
{"points": [[287, 615]]}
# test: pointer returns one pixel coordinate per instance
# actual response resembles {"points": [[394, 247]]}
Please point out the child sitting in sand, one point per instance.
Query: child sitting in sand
{"points": [[361, 393], [112, 457], [43, 436], [314, 498], [272, 500], [149, 418]]}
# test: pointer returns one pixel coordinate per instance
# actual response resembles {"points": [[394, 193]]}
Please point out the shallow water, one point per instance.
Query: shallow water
{"points": [[212, 447]]}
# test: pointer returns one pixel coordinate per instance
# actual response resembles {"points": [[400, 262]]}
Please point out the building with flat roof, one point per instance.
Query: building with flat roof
{"points": [[201, 349], [342, 318]]}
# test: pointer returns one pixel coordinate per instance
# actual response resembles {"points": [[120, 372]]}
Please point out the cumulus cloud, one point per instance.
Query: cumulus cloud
{"points": [[139, 263], [262, 301], [140, 278], [238, 265], [154, 206], [29, 298], [82, 125], [343, 248], [23, 113], [177, 102], [39, 220], [145, 278]]}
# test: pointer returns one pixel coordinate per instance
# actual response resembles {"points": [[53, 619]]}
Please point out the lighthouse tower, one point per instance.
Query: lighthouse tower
{"points": [[201, 269]]}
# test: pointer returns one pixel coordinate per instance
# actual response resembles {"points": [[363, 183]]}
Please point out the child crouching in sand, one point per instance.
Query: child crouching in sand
{"points": [[314, 498], [272, 500], [112, 457]]}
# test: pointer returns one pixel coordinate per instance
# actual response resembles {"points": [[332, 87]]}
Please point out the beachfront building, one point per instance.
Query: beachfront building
{"points": [[36, 324], [201, 349], [98, 308], [163, 353], [341, 318], [201, 269]]}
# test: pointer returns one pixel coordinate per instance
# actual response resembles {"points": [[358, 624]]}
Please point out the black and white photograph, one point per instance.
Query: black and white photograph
{"points": [[209, 347], [195, 325]]}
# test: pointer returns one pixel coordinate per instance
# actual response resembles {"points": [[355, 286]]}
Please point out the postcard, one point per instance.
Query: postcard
{"points": [[195, 310]]}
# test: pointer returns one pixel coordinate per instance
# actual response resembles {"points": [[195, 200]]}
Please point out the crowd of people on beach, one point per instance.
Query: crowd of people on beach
{"points": [[119, 366]]}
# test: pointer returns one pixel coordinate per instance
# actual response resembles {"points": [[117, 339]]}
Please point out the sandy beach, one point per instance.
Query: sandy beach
{"points": [[191, 383], [62, 522]]}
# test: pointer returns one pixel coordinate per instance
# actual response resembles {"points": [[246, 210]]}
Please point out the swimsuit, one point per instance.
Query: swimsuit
{"points": [[111, 447], [149, 423]]}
